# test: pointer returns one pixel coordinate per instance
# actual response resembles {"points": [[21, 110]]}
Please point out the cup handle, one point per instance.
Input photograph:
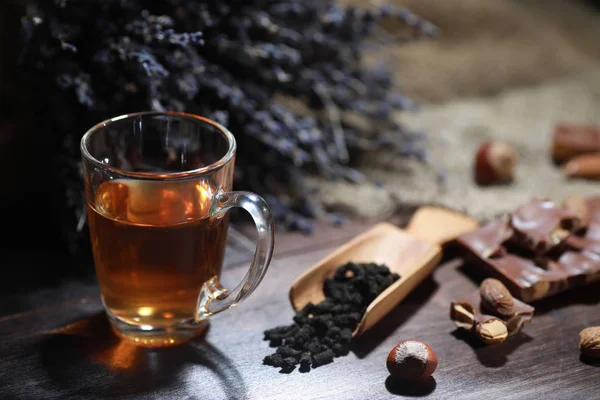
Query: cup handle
{"points": [[214, 298]]}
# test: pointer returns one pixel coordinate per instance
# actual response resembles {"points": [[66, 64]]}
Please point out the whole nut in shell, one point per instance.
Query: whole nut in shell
{"points": [[494, 163], [411, 360], [589, 342], [496, 298]]}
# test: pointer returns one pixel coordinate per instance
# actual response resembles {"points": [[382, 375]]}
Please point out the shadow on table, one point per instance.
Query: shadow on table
{"points": [[492, 356], [582, 295], [592, 362], [87, 356], [410, 389], [368, 341], [473, 274]]}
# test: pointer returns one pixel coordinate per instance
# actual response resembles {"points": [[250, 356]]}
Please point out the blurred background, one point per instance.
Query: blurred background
{"points": [[503, 69], [508, 70]]}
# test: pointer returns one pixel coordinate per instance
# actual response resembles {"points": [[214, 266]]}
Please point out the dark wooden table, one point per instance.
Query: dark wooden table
{"points": [[56, 344]]}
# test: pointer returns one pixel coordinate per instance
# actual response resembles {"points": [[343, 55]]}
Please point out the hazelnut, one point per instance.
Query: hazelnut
{"points": [[589, 342], [492, 331], [494, 163], [411, 360], [496, 298]]}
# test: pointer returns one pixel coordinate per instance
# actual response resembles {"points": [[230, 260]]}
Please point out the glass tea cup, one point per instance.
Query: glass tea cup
{"points": [[158, 188]]}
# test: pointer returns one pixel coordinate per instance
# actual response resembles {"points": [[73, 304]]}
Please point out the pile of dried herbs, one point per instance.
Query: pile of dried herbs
{"points": [[285, 76], [323, 331]]}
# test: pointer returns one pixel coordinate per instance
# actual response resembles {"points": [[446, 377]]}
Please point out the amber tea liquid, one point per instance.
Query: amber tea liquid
{"points": [[154, 246]]}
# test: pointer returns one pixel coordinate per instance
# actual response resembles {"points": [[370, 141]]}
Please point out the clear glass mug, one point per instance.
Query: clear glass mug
{"points": [[158, 187]]}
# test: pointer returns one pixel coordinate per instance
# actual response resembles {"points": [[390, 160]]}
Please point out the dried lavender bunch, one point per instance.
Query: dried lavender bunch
{"points": [[286, 76]]}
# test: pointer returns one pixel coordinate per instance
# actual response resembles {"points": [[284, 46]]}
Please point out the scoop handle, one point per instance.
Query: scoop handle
{"points": [[439, 225]]}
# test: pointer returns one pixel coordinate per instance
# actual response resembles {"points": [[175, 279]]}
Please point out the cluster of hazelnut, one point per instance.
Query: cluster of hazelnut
{"points": [[412, 360], [575, 147], [496, 300]]}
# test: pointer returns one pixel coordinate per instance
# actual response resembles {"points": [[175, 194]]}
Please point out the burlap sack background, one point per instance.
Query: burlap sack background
{"points": [[501, 69]]}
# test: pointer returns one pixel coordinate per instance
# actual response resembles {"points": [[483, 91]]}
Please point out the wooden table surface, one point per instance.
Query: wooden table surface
{"points": [[56, 344]]}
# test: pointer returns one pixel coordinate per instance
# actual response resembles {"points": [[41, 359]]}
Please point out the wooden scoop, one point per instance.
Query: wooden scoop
{"points": [[412, 253]]}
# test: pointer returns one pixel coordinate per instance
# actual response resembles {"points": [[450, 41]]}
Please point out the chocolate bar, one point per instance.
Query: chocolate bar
{"points": [[467, 312], [541, 225], [538, 250]]}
